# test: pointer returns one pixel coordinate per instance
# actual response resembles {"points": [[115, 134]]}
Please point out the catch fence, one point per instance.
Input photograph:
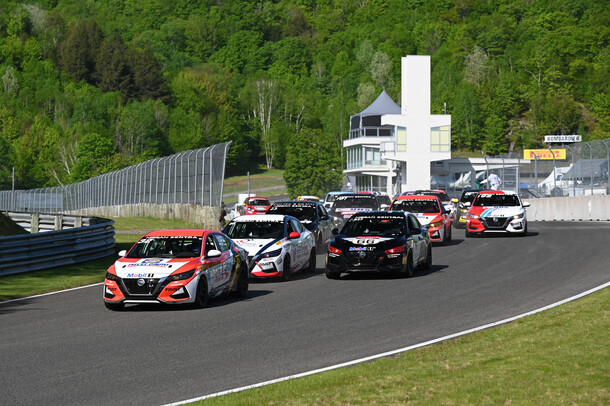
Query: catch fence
{"points": [[577, 169], [194, 176]]}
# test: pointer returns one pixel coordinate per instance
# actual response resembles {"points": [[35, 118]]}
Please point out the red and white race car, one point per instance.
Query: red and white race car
{"points": [[496, 211], [429, 212], [176, 267], [256, 205]]}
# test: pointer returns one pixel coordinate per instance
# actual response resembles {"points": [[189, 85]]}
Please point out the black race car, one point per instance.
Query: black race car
{"points": [[384, 241], [312, 215], [459, 219]]}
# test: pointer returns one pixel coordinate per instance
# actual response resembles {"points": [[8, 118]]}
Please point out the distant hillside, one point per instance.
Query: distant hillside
{"points": [[9, 227]]}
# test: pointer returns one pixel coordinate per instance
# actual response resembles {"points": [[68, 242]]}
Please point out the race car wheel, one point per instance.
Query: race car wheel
{"points": [[524, 233], [333, 275], [428, 264], [202, 297], [286, 268], [241, 289], [319, 245], [311, 266], [114, 306], [450, 235], [468, 234], [408, 272]]}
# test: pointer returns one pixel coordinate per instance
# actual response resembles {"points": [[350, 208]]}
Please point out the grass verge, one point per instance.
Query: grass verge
{"points": [[557, 357], [264, 179]]}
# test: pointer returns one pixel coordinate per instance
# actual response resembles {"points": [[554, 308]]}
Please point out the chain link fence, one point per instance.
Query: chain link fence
{"points": [[194, 176], [578, 169]]}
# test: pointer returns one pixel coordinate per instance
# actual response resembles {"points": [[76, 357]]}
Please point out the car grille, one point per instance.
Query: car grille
{"points": [[495, 223], [370, 258], [150, 284]]}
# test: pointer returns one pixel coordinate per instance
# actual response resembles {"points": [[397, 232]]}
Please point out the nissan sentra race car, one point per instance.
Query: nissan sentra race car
{"points": [[176, 267], [494, 211], [381, 241], [277, 245], [347, 204], [430, 212]]}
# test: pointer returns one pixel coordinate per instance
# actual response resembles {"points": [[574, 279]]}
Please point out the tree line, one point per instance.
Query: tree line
{"points": [[91, 87]]}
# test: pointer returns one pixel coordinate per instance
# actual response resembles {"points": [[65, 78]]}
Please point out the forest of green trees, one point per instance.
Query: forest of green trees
{"points": [[89, 87]]}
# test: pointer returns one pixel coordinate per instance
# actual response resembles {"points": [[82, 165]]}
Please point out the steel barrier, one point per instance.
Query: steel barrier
{"points": [[65, 245]]}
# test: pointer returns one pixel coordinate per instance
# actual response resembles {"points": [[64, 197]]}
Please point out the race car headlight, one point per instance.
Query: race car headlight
{"points": [[272, 254], [112, 277], [518, 216], [181, 276], [472, 216], [436, 224]]}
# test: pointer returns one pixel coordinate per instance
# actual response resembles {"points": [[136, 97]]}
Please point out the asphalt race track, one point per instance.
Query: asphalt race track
{"points": [[67, 348]]}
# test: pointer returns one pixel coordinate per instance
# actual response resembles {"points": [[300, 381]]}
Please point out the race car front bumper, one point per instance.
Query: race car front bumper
{"points": [[372, 261], [266, 268], [150, 290], [496, 225]]}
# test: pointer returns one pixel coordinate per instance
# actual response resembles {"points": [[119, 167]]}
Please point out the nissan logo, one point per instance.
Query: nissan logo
{"points": [[141, 282], [495, 219], [362, 254]]}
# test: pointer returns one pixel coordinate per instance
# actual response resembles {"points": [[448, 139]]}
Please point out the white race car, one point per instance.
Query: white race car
{"points": [[495, 211], [277, 245]]}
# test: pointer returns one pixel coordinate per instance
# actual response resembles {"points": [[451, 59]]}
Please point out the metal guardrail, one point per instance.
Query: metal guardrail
{"points": [[67, 245]]}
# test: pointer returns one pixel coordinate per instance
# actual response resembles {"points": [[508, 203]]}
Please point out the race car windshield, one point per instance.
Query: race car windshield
{"points": [[417, 206], [441, 196], [385, 226], [256, 229], [355, 203], [496, 200], [259, 202], [167, 247], [469, 196], [300, 212]]}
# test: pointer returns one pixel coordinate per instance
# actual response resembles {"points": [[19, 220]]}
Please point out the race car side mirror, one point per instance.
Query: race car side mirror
{"points": [[467, 204], [416, 231], [294, 235], [335, 231], [122, 253], [526, 204], [213, 253]]}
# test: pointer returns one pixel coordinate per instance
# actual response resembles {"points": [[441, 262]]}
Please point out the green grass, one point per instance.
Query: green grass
{"points": [[65, 277], [557, 357], [263, 179]]}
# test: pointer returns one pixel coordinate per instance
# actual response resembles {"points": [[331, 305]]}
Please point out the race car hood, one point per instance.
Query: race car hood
{"points": [[254, 245], [366, 243], [426, 218], [496, 211], [150, 267]]}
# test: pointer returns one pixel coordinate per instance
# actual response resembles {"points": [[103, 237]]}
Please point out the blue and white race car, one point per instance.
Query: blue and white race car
{"points": [[277, 245]]}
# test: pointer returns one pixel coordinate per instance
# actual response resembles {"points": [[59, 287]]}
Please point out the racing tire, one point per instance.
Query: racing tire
{"points": [[311, 265], [524, 233], [428, 264], [242, 282], [450, 235], [115, 307], [333, 275], [408, 272], [468, 234], [286, 268], [202, 296]]}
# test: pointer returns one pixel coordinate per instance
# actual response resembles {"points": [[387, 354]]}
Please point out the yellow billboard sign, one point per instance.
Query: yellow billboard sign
{"points": [[544, 154]]}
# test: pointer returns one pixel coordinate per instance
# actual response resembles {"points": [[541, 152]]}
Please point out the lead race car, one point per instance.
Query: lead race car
{"points": [[177, 267], [496, 211], [277, 245]]}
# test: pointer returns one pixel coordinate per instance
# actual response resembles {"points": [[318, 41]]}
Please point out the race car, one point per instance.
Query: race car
{"points": [[459, 215], [382, 241], [277, 245], [255, 205], [496, 211], [345, 205], [430, 212], [442, 196], [177, 267], [312, 215]]}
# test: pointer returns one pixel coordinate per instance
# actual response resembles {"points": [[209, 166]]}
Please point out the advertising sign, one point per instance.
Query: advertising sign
{"points": [[544, 154], [562, 138]]}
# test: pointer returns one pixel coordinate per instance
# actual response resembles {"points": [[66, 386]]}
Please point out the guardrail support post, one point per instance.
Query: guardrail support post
{"points": [[34, 223]]}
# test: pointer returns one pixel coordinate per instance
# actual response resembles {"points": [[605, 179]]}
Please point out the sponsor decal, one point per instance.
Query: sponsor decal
{"points": [[140, 275], [150, 262]]}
